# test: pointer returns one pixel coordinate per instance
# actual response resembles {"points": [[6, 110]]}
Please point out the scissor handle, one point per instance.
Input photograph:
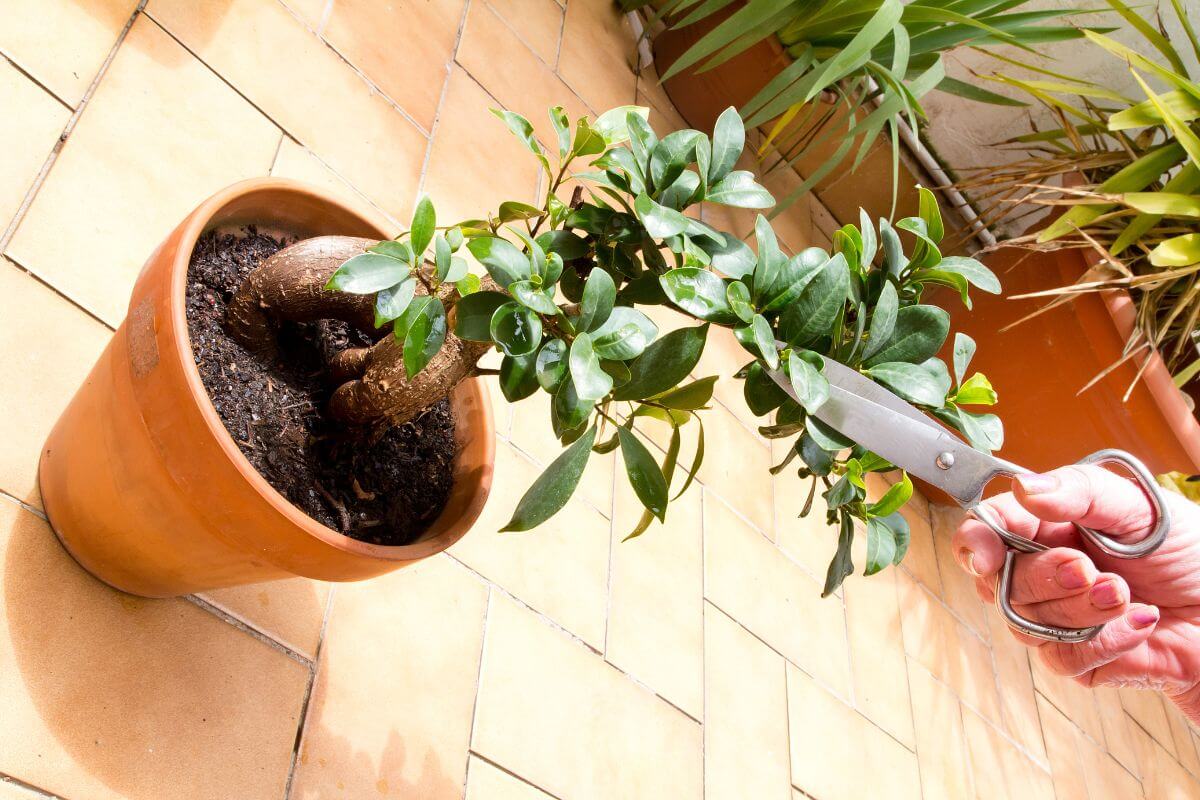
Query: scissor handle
{"points": [[1015, 544]]}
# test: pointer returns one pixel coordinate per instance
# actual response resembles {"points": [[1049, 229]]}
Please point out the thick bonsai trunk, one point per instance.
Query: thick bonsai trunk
{"points": [[373, 388]]}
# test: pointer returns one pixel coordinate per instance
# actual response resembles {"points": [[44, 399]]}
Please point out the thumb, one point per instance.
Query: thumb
{"points": [[1088, 495]]}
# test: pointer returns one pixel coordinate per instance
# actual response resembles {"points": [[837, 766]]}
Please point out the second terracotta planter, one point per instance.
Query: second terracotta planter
{"points": [[144, 486]]}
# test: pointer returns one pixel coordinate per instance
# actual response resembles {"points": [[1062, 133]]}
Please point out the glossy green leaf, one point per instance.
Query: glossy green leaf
{"points": [[1178, 251], [613, 125], [513, 211], [738, 297], [762, 394], [964, 351], [809, 384], [397, 250], [842, 565], [930, 212], [671, 155], [732, 257], [917, 335], [518, 377], [881, 546], [644, 474], [591, 382], [468, 284], [883, 320], [569, 410], [550, 492], [501, 258], [739, 189], [473, 315], [870, 243], [562, 130], [423, 334], [516, 329], [894, 260], [893, 499], [533, 297], [391, 302], [976, 391], [926, 383], [812, 314], [568, 245], [624, 335], [984, 431], [551, 365], [664, 364], [975, 272], [689, 397], [368, 273], [764, 340], [660, 222], [728, 141], [818, 460], [828, 438], [424, 220], [599, 295], [792, 278], [698, 292], [523, 130]]}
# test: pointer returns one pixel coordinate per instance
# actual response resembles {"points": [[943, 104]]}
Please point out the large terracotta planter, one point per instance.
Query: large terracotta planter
{"points": [[144, 486], [1039, 366]]}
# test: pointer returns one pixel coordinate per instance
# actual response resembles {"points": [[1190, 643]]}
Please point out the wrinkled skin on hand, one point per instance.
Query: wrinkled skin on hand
{"points": [[1151, 605]]}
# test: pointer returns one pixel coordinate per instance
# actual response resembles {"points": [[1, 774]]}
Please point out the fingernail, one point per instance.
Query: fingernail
{"points": [[1143, 616], [1035, 483], [1105, 594], [1073, 574], [966, 560]]}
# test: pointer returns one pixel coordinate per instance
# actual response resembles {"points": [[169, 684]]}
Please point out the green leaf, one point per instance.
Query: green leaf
{"points": [[550, 492], [523, 130], [502, 259], [518, 377], [562, 127], [516, 329], [468, 284], [827, 437], [591, 382], [869, 242], [698, 292], [810, 386], [893, 499], [918, 334], [1168, 204], [930, 212], [624, 335], [738, 297], [664, 364], [456, 272], [441, 257], [728, 141], [900, 534], [671, 155], [952, 279], [424, 333], [791, 279], [817, 458], [732, 257], [390, 303], [964, 351], [668, 472], [420, 233], [644, 475], [1178, 251], [588, 141], [926, 383], [551, 365], [569, 410], [977, 391], [842, 565], [568, 245], [694, 395], [473, 315], [976, 273], [613, 124], [740, 190], [368, 273], [881, 546], [762, 394], [398, 250], [814, 311], [513, 211], [599, 295], [985, 432], [883, 320], [894, 260], [660, 222], [533, 297], [764, 340]]}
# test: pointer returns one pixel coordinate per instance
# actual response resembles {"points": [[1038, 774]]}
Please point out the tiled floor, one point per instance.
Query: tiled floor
{"points": [[696, 660]]}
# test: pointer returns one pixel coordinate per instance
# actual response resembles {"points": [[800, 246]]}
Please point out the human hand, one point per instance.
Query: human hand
{"points": [[1151, 605]]}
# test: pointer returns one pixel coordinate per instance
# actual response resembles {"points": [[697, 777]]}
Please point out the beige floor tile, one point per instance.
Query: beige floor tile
{"points": [[877, 653], [745, 714], [597, 50], [836, 752], [312, 93], [1066, 764], [999, 769], [941, 743], [62, 43], [737, 464], [1148, 709], [1162, 776], [723, 356], [532, 432], [475, 163], [27, 138], [945, 647], [749, 579], [1017, 697], [558, 715], [311, 12], [47, 348], [1073, 700], [110, 696], [487, 782], [403, 47], [291, 611], [1185, 748], [10, 790], [921, 559], [958, 588], [297, 162], [809, 540], [391, 709], [539, 23], [505, 66], [160, 135], [560, 568], [1114, 723], [1105, 777], [661, 570]]}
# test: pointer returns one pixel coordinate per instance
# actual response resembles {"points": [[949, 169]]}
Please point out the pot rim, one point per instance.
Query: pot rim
{"points": [[190, 231]]}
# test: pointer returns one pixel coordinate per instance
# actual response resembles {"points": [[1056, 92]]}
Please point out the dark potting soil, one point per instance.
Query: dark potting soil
{"points": [[381, 489]]}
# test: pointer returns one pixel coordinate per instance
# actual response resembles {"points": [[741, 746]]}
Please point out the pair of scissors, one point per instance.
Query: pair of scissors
{"points": [[897, 431]]}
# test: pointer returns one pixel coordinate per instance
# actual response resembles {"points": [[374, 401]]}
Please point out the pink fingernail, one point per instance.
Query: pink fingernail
{"points": [[1073, 575], [1035, 483], [966, 560], [1106, 594], [1143, 616]]}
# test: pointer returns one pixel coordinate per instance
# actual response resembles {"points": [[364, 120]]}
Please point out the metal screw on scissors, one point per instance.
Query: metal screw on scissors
{"points": [[892, 428]]}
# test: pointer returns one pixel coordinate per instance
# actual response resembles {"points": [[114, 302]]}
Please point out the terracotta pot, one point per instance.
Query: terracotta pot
{"points": [[1038, 368], [144, 486], [700, 97]]}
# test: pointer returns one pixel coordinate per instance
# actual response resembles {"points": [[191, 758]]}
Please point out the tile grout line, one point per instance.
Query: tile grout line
{"points": [[66, 297], [11, 780], [487, 616], [37, 512], [302, 723], [507, 771], [40, 179], [562, 28], [504, 21], [448, 72], [247, 628], [32, 78]]}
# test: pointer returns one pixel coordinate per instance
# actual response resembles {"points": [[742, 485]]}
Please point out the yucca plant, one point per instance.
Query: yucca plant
{"points": [[873, 59], [1128, 169]]}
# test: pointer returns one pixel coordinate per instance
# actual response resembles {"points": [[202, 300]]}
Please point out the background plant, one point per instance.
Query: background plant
{"points": [[872, 60], [1127, 169], [560, 296]]}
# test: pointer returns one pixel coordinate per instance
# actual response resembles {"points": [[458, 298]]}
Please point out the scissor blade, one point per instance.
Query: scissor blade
{"points": [[907, 438]]}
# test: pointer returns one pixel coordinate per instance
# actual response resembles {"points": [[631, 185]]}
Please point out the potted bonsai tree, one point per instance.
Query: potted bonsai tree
{"points": [[388, 329]]}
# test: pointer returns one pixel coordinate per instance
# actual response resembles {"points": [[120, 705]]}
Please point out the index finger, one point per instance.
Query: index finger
{"points": [[980, 551]]}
